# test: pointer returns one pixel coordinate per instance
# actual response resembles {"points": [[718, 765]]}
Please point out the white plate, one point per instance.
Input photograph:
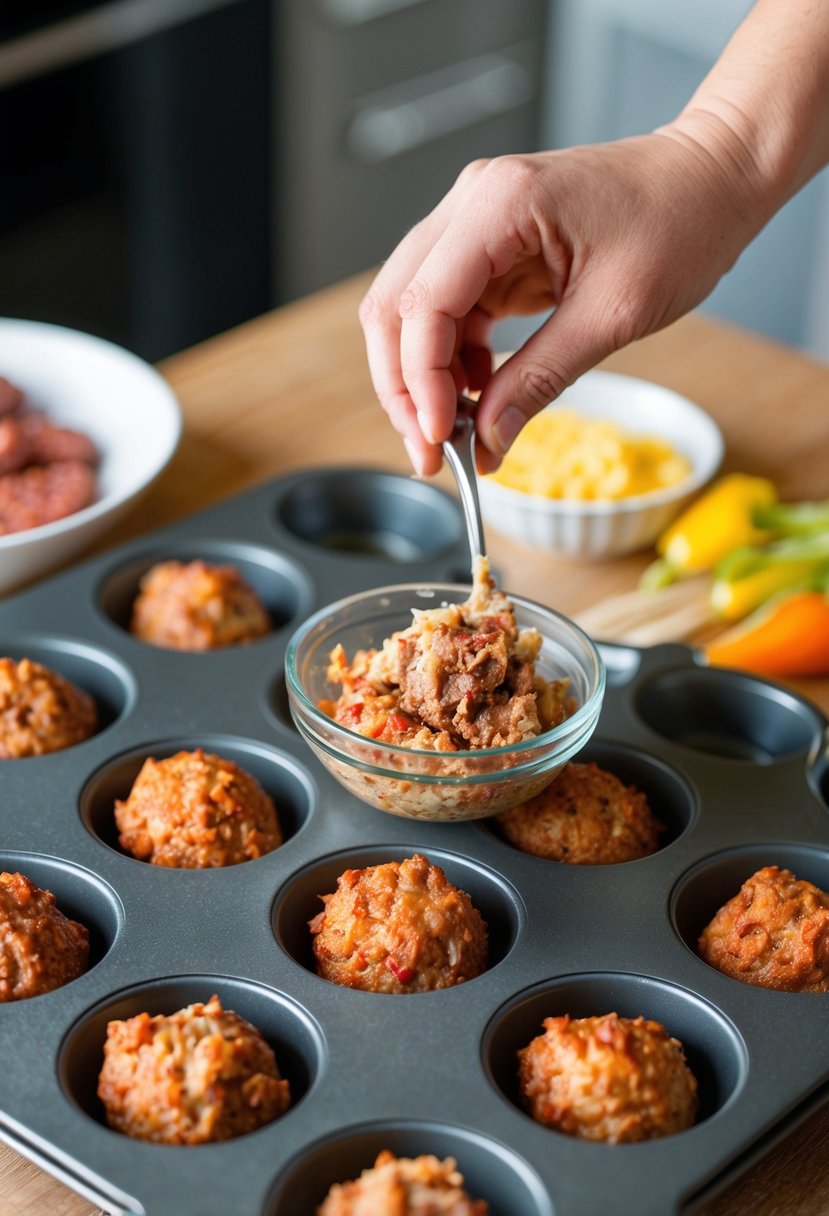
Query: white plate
{"points": [[610, 528], [126, 408]]}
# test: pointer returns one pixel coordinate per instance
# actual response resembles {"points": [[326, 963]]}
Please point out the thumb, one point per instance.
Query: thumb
{"points": [[567, 345]]}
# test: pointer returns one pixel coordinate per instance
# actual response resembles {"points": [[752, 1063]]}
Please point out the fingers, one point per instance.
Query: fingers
{"points": [[576, 337], [439, 301]]}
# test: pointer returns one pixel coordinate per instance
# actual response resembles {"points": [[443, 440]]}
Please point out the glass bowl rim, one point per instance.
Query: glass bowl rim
{"points": [[585, 711]]}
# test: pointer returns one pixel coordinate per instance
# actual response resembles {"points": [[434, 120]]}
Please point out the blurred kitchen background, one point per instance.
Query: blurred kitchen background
{"points": [[169, 168]]}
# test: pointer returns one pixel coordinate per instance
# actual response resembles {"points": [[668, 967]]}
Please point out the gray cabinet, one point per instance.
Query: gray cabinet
{"points": [[380, 104]]}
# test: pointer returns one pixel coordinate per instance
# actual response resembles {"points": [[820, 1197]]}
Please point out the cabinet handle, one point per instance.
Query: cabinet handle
{"points": [[102, 29], [409, 116], [359, 12]]}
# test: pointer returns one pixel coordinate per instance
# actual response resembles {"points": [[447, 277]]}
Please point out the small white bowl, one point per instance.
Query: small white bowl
{"points": [[611, 528], [127, 409]]}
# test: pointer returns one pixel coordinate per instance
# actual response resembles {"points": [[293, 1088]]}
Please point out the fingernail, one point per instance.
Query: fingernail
{"points": [[508, 426], [426, 426], [414, 456]]}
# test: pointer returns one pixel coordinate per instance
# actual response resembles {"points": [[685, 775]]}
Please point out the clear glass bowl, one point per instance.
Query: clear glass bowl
{"points": [[426, 784]]}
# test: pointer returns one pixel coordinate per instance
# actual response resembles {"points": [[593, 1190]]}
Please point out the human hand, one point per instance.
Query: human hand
{"points": [[620, 238]]}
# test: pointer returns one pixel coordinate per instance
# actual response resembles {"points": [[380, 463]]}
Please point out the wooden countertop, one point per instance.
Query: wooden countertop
{"points": [[291, 389]]}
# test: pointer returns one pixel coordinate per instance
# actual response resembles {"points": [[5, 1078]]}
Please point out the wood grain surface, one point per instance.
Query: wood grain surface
{"points": [[291, 389]]}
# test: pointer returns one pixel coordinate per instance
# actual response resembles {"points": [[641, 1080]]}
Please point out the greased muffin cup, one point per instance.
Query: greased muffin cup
{"points": [[733, 768]]}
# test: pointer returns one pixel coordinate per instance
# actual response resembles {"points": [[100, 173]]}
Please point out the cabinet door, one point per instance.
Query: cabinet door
{"points": [[622, 67]]}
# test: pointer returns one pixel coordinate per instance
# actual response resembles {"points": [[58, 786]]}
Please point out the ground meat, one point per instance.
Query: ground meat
{"points": [[14, 447], [48, 443], [587, 817], [403, 1186], [197, 1076], [609, 1078], [197, 606], [40, 949], [42, 494], [196, 811], [398, 927], [40, 711], [774, 933], [11, 397], [461, 676], [46, 471]]}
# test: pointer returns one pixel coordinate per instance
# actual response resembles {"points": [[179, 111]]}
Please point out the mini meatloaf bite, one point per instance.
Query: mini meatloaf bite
{"points": [[197, 1076], [609, 1078], [398, 927], [404, 1186], [462, 676], [40, 948], [197, 606], [40, 711], [196, 811], [586, 817], [774, 933]]}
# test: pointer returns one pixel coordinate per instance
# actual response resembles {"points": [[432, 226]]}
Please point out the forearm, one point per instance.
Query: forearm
{"points": [[764, 107]]}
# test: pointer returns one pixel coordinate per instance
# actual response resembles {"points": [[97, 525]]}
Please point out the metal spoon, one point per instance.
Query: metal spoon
{"points": [[459, 450]]}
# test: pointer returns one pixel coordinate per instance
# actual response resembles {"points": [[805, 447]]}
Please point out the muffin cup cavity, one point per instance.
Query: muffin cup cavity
{"points": [[280, 776], [299, 899], [671, 798], [714, 1049], [79, 894], [293, 1034], [726, 714], [282, 586], [702, 891], [490, 1170], [368, 514], [108, 681]]}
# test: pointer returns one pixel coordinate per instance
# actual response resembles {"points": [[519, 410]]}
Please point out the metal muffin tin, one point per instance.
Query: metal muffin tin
{"points": [[733, 767]]}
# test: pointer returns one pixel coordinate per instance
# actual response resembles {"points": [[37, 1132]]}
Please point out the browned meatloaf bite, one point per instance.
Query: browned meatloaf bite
{"points": [[398, 927], [608, 1078], [197, 606], [40, 948], [587, 817], [404, 1186], [40, 711], [196, 1076], [196, 811], [774, 933]]}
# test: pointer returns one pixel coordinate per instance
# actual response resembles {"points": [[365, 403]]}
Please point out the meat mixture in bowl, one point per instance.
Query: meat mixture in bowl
{"points": [[195, 810], [610, 1078], [399, 927], [197, 606], [404, 1186], [40, 710], [461, 676], [40, 948], [586, 817], [197, 1076], [774, 933]]}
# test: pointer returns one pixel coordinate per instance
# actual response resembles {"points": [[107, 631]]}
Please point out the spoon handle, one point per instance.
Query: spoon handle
{"points": [[459, 450]]}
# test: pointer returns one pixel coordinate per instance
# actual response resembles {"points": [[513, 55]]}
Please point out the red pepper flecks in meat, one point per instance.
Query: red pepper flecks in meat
{"points": [[462, 676], [398, 927]]}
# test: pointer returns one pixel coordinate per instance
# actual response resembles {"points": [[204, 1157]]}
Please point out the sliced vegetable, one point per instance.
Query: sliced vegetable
{"points": [[749, 575], [716, 523], [788, 636], [793, 518]]}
